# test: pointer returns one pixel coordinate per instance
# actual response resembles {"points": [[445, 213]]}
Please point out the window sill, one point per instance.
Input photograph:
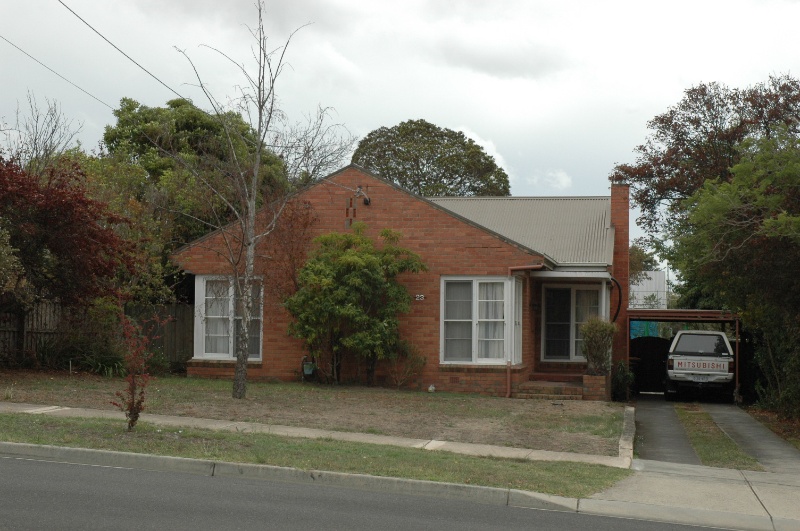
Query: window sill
{"points": [[479, 367]]}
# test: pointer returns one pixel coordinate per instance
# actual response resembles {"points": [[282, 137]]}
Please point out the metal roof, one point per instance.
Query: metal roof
{"points": [[681, 316], [569, 230]]}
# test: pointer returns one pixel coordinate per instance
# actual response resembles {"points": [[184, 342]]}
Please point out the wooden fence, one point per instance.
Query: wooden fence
{"points": [[46, 324]]}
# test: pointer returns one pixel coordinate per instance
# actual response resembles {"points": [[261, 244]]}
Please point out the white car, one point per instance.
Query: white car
{"points": [[699, 359]]}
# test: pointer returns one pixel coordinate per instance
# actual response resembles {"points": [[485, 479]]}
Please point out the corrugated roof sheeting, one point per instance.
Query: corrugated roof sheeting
{"points": [[570, 230]]}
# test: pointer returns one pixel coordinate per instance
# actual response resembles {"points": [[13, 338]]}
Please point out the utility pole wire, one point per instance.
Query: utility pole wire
{"points": [[120, 51], [56, 73]]}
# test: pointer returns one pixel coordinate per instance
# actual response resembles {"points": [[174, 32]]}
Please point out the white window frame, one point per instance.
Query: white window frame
{"points": [[512, 319], [574, 355], [200, 319]]}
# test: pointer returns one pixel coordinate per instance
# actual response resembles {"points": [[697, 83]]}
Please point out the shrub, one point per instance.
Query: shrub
{"points": [[598, 336], [137, 358], [406, 364]]}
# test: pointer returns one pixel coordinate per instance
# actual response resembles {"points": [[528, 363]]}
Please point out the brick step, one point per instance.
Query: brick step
{"points": [[571, 377], [544, 390], [552, 387], [529, 396]]}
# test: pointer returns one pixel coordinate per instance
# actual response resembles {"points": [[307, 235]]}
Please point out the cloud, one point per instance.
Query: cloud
{"points": [[544, 181], [502, 58]]}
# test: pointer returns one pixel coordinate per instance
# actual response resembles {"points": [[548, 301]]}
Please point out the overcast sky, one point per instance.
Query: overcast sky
{"points": [[557, 91]]}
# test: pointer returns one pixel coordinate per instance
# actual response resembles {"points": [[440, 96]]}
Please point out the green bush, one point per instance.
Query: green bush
{"points": [[598, 336]]}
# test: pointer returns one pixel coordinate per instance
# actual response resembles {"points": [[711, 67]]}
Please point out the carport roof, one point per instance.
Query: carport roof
{"points": [[708, 316]]}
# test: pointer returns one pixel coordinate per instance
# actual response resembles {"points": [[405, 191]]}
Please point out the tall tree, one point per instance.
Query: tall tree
{"points": [[697, 140], [171, 144], [431, 161], [251, 203], [736, 247]]}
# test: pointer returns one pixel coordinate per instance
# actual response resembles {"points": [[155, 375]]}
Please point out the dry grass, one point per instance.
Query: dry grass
{"points": [[788, 429], [571, 426]]}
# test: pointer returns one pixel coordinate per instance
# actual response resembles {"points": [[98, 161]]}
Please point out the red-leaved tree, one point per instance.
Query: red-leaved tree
{"points": [[64, 242]]}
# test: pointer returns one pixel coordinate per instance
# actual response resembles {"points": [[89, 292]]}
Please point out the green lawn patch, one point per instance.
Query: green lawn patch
{"points": [[575, 480]]}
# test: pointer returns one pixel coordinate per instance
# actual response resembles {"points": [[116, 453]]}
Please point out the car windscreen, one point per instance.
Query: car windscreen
{"points": [[701, 345]]}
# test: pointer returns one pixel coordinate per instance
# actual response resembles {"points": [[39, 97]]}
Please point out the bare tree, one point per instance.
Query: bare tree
{"points": [[252, 198], [40, 136]]}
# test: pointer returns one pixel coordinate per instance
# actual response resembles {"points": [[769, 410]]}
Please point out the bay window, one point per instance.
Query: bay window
{"points": [[481, 320]]}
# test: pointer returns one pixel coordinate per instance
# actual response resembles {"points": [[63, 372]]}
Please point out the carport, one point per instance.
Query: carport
{"points": [[684, 316]]}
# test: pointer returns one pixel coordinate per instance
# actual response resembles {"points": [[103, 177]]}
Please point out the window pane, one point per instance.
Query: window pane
{"points": [[490, 340], [557, 305], [217, 288], [587, 304], [490, 291], [217, 336], [217, 301], [491, 330], [557, 324], [255, 294], [491, 304], [491, 349], [254, 339], [556, 349], [458, 310], [458, 300], [458, 341], [217, 307]]}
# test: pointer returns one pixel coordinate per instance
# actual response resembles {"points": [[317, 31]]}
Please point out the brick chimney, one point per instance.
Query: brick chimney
{"points": [[620, 219]]}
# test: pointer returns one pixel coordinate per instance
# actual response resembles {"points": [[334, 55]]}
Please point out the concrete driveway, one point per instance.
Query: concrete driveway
{"points": [[660, 435]]}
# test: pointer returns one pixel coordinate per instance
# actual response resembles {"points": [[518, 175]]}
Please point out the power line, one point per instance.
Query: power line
{"points": [[56, 73], [120, 51]]}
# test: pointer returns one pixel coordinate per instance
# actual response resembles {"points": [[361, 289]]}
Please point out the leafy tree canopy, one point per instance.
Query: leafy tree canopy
{"points": [[697, 140], [349, 298], [431, 161], [151, 136], [63, 242], [736, 249], [175, 144]]}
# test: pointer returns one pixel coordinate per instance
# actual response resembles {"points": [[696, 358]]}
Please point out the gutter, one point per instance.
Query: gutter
{"points": [[531, 267]]}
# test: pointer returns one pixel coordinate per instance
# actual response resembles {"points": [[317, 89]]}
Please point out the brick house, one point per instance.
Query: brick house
{"points": [[509, 281]]}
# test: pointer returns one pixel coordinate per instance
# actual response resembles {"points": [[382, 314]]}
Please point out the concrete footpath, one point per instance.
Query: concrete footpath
{"points": [[658, 491]]}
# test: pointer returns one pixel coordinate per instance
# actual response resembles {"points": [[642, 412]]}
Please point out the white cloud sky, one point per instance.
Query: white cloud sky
{"points": [[557, 92]]}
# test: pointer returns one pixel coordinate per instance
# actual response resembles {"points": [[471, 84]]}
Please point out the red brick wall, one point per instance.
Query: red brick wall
{"points": [[446, 244]]}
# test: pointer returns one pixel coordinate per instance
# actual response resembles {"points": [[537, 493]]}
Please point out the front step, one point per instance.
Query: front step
{"points": [[543, 390], [571, 377]]}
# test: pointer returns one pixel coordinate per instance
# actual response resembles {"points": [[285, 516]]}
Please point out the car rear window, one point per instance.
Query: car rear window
{"points": [[701, 345]]}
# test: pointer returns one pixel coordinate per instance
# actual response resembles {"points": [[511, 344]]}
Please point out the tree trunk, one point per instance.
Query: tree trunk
{"points": [[240, 372]]}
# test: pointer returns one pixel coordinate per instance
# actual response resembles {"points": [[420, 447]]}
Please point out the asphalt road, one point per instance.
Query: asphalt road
{"points": [[36, 494]]}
